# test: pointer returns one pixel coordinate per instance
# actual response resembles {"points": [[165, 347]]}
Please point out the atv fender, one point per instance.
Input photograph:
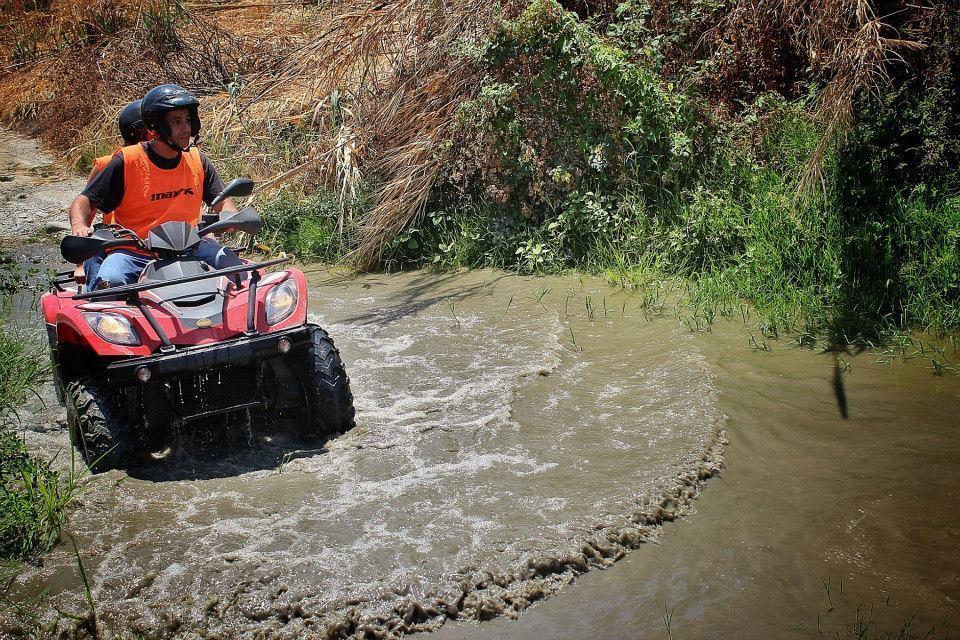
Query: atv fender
{"points": [[50, 304]]}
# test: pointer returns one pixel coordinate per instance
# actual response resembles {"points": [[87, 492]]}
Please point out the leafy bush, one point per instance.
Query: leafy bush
{"points": [[563, 110], [308, 226]]}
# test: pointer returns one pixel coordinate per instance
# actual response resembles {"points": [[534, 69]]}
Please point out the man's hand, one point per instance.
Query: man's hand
{"points": [[81, 216], [78, 275], [227, 205]]}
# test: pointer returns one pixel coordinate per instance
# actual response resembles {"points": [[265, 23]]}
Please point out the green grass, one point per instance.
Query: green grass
{"points": [[307, 226], [34, 497], [876, 620], [21, 371]]}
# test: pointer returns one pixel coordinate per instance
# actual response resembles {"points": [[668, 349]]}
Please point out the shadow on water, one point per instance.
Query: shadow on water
{"points": [[836, 350], [838, 389], [212, 460], [422, 293]]}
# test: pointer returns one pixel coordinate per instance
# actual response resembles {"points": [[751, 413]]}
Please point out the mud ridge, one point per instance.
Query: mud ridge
{"points": [[475, 594]]}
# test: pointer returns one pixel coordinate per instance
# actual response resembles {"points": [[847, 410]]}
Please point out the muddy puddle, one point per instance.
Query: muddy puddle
{"points": [[818, 526], [512, 433]]}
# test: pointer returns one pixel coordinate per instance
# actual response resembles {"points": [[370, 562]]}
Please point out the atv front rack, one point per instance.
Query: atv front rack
{"points": [[131, 291], [228, 358], [62, 278], [126, 289], [232, 352]]}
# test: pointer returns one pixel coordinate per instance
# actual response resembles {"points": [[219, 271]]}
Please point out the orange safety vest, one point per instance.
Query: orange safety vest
{"points": [[152, 195], [98, 166], [100, 163]]}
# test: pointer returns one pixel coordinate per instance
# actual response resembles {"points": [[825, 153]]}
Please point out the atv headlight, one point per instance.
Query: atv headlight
{"points": [[281, 301], [113, 328]]}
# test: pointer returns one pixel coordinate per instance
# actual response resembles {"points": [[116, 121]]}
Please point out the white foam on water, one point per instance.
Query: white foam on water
{"points": [[484, 443]]}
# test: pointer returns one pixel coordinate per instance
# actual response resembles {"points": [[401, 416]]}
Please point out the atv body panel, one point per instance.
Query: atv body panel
{"points": [[204, 312]]}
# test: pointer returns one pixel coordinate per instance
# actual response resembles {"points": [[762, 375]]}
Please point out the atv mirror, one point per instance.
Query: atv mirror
{"points": [[238, 188], [76, 249], [246, 220]]}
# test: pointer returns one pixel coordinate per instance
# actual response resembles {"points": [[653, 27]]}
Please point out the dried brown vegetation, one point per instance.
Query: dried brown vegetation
{"points": [[397, 81], [845, 48], [329, 92], [349, 83]]}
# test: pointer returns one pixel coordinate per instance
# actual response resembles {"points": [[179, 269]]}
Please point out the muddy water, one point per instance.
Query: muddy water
{"points": [[818, 526], [512, 433]]}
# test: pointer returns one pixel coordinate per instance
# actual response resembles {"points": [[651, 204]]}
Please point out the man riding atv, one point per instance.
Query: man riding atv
{"points": [[148, 183], [177, 335], [130, 124]]}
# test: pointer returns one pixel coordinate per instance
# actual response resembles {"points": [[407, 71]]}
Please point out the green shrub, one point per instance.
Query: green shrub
{"points": [[563, 110], [307, 226]]}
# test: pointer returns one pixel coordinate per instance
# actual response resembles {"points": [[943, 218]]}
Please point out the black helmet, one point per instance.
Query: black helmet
{"points": [[162, 99], [130, 123]]}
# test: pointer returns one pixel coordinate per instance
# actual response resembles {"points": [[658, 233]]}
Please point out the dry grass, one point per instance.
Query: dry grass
{"points": [[397, 84], [333, 92], [353, 89], [858, 61], [845, 46]]}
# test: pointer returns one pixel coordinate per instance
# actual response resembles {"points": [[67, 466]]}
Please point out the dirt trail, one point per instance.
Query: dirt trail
{"points": [[34, 193]]}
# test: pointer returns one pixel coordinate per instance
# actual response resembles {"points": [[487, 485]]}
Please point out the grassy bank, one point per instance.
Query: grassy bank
{"points": [[577, 153], [34, 497]]}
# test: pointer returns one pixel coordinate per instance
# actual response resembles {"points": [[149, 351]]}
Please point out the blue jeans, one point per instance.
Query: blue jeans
{"points": [[123, 266]]}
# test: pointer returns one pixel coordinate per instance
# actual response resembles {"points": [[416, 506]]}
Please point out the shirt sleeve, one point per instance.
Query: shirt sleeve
{"points": [[106, 189], [212, 184]]}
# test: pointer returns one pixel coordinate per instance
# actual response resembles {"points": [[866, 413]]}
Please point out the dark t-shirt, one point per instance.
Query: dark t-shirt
{"points": [[107, 189]]}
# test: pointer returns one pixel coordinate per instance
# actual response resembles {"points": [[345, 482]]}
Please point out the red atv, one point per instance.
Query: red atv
{"points": [[138, 365]]}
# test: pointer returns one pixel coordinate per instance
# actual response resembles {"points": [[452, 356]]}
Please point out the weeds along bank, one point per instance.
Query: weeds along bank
{"points": [[34, 496], [802, 156]]}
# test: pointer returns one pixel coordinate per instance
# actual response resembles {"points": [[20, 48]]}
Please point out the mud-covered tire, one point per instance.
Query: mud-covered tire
{"points": [[98, 427], [326, 387]]}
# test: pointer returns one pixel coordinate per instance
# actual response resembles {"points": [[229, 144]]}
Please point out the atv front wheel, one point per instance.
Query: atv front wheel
{"points": [[325, 385], [98, 428]]}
